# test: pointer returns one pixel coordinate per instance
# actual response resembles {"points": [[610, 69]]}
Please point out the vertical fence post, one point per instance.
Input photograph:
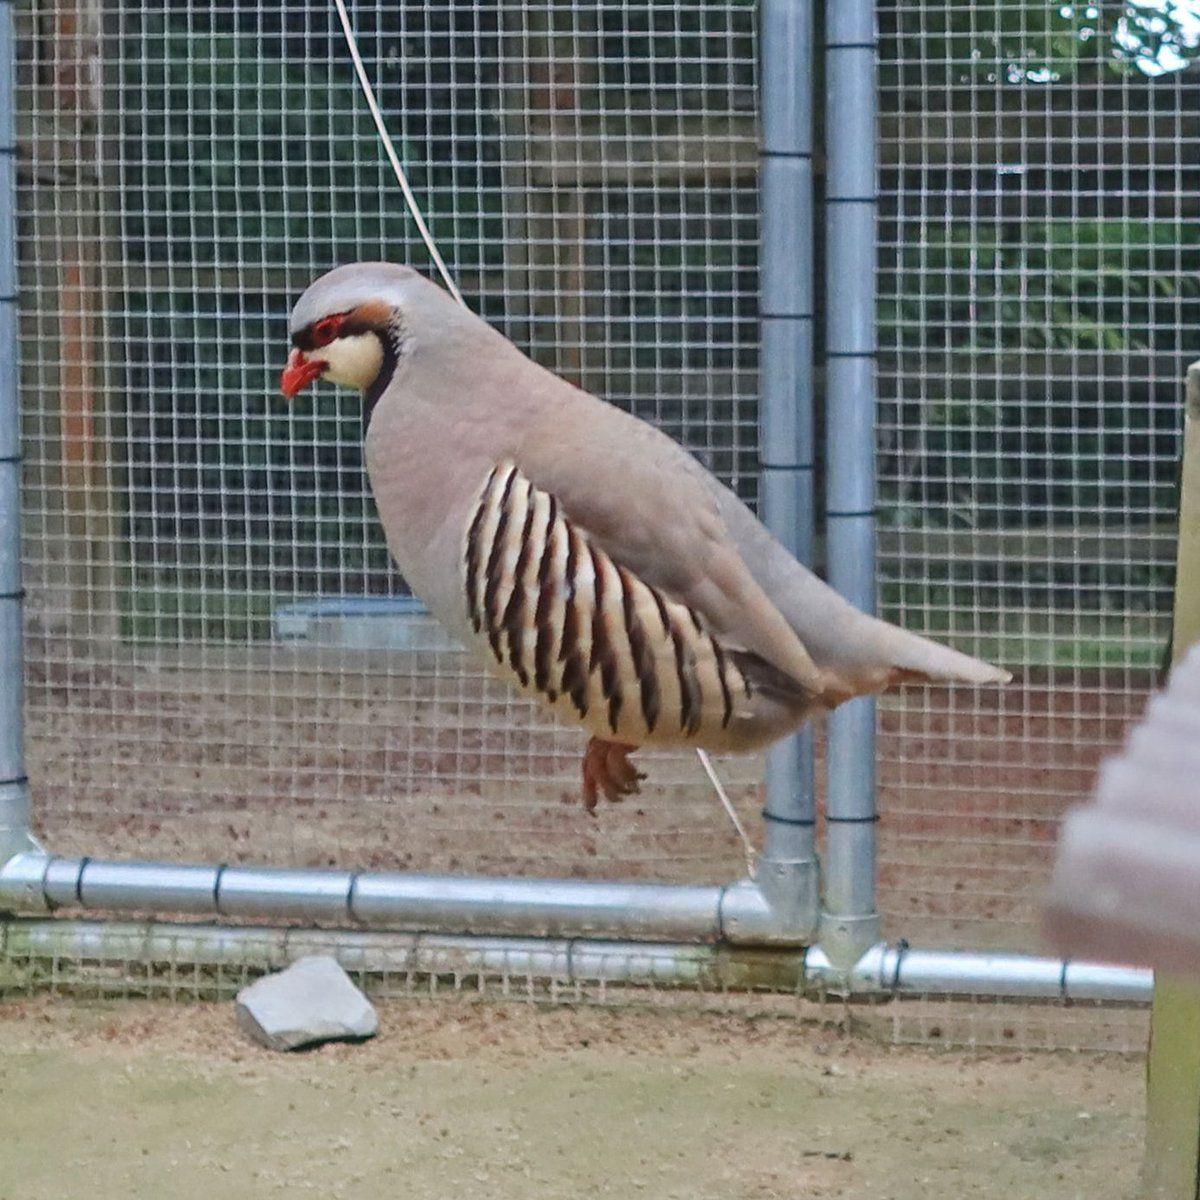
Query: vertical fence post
{"points": [[14, 789], [849, 922], [1171, 1161], [788, 868]]}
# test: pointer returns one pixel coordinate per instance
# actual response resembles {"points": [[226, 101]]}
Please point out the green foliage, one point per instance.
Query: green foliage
{"points": [[1018, 42], [1007, 43], [220, 140], [989, 302], [1062, 284], [239, 151], [672, 57]]}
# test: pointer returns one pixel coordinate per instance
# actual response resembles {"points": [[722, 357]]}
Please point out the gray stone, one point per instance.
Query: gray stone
{"points": [[312, 1001]]}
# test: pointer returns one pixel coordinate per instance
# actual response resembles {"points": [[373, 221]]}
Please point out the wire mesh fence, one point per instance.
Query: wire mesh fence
{"points": [[1039, 257], [223, 664], [176, 961], [188, 173]]}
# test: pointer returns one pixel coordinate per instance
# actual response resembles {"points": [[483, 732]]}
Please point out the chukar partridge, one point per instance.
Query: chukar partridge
{"points": [[590, 559]]}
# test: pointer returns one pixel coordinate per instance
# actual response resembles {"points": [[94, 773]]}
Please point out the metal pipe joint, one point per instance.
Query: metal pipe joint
{"points": [[741, 913]]}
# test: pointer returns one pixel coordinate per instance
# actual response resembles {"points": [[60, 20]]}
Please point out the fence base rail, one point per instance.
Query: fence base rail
{"points": [[738, 913], [719, 936], [885, 972]]}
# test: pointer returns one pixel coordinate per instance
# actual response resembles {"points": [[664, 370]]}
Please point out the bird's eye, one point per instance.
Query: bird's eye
{"points": [[326, 329]]}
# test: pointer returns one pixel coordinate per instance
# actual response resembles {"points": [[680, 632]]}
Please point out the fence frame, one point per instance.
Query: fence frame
{"points": [[788, 870], [557, 925], [14, 785]]}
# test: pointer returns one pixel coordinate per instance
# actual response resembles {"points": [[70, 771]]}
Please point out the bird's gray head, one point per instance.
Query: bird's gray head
{"points": [[350, 326]]}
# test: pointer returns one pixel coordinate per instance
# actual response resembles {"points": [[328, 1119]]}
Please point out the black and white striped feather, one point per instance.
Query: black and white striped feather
{"points": [[586, 634]]}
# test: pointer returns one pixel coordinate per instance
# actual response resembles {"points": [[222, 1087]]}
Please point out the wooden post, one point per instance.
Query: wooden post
{"points": [[516, 143], [84, 442], [1171, 1169], [562, 69]]}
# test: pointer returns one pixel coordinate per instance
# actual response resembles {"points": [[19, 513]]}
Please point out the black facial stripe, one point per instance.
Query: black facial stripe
{"points": [[356, 324], [306, 339], [353, 321], [391, 359]]}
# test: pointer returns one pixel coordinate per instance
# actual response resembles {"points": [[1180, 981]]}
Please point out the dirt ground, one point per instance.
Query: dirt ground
{"points": [[140, 1099]]}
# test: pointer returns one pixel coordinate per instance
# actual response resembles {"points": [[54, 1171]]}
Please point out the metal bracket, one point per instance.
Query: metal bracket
{"points": [[778, 907], [845, 939], [15, 837]]}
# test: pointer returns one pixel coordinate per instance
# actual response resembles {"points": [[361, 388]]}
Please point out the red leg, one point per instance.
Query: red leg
{"points": [[593, 762], [625, 777]]}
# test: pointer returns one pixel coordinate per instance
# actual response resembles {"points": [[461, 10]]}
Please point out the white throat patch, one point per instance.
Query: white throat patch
{"points": [[354, 361]]}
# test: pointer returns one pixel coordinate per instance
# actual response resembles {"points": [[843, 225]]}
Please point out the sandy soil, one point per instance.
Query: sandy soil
{"points": [[454, 1099]]}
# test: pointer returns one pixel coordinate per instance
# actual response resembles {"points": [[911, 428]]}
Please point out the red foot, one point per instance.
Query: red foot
{"points": [[607, 769]]}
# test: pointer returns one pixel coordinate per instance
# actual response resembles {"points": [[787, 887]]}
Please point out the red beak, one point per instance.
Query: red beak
{"points": [[299, 373]]}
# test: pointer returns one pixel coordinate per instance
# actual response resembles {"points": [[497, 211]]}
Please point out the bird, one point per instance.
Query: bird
{"points": [[587, 557]]}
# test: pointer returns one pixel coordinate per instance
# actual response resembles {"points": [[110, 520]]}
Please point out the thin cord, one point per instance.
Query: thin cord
{"points": [[361, 71], [731, 812], [369, 93]]}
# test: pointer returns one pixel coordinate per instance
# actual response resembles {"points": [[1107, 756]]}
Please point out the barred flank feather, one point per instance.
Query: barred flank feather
{"points": [[583, 632]]}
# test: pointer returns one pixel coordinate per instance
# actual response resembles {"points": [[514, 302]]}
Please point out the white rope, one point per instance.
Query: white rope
{"points": [[730, 811], [369, 93], [361, 71]]}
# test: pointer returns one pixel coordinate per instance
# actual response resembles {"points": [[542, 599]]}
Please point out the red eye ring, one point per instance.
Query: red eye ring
{"points": [[327, 329]]}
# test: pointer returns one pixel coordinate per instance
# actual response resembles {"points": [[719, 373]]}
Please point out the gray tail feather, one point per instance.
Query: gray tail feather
{"points": [[916, 658]]}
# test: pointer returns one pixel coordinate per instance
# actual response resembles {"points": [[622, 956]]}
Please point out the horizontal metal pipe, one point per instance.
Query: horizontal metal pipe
{"points": [[885, 970], [1101, 981], [901, 971], [166, 887], [545, 907], [736, 913], [511, 960], [730, 935], [289, 894]]}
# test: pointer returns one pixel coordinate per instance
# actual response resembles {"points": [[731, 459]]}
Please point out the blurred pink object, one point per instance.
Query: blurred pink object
{"points": [[1126, 884]]}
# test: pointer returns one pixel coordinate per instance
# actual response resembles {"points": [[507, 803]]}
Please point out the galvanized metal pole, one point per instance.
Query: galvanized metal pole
{"points": [[14, 788], [460, 904], [787, 872], [887, 971], [849, 923]]}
